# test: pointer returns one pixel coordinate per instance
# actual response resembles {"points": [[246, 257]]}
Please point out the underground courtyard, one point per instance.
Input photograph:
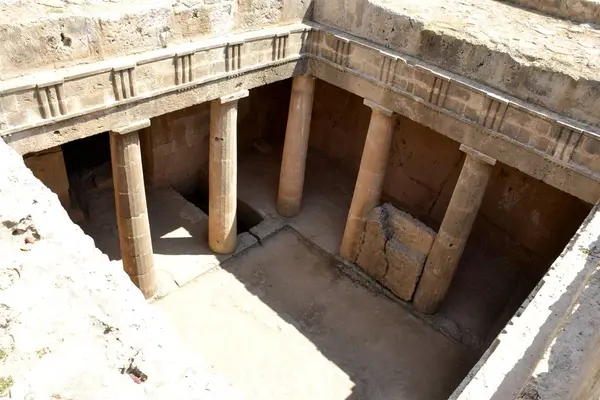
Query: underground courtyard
{"points": [[281, 311], [351, 199]]}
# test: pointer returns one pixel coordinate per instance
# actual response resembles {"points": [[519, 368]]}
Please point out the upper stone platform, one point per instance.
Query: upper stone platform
{"points": [[57, 33], [578, 10], [541, 59]]}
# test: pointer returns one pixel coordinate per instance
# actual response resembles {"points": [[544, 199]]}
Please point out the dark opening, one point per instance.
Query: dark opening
{"points": [[87, 162], [246, 216]]}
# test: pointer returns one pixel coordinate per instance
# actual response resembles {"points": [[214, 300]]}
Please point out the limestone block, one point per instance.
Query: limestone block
{"points": [[409, 230], [372, 249], [394, 249], [405, 267], [49, 167]]}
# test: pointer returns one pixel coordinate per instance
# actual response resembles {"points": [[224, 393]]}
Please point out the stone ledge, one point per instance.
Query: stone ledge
{"points": [[58, 33], [505, 367], [577, 182], [536, 58], [60, 295], [42, 99], [578, 10], [568, 142]]}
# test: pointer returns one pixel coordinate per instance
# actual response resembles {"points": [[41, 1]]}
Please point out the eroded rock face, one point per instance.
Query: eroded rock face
{"points": [[394, 249], [45, 33], [73, 326]]}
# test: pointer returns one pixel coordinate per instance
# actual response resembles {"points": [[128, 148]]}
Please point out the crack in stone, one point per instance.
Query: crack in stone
{"points": [[363, 238], [255, 237], [388, 234]]}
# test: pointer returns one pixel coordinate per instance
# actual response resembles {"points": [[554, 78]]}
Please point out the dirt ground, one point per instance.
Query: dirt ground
{"points": [[282, 319], [281, 322]]}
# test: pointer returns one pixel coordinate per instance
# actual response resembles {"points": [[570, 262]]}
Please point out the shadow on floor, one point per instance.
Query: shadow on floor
{"points": [[291, 319]]}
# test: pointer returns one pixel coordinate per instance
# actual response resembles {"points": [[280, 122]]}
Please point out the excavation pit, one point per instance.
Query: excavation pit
{"points": [[401, 201]]}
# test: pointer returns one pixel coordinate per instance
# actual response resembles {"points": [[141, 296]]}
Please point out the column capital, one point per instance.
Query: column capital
{"points": [[233, 96], [477, 154], [306, 76], [378, 108], [136, 126]]}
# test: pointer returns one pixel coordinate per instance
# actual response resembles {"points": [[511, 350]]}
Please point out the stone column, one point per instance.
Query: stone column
{"points": [[132, 213], [291, 178], [222, 181], [452, 237], [369, 183]]}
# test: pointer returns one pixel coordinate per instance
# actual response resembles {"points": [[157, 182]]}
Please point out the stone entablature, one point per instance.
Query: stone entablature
{"points": [[42, 99], [555, 149], [49, 109]]}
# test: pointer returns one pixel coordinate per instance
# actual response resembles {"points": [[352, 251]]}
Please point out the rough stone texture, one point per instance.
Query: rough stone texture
{"points": [[569, 368], [552, 336], [49, 167], [71, 319], [38, 33], [72, 102], [536, 58], [580, 10], [394, 249], [489, 121], [423, 170], [87, 99], [175, 148]]}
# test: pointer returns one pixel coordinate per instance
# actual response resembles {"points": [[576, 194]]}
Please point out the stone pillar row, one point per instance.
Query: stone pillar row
{"points": [[132, 214], [456, 226]]}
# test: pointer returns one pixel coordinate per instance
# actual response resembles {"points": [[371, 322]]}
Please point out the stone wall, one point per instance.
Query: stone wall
{"points": [[497, 44], [58, 33], [394, 249], [175, 147], [549, 349], [73, 324], [526, 218], [579, 10], [49, 167]]}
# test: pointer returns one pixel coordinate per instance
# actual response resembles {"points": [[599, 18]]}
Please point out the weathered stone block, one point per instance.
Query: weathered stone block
{"points": [[405, 267], [394, 249], [410, 230], [49, 167], [371, 256]]}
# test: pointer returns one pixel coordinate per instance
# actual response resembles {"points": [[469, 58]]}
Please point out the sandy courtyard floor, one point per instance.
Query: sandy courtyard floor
{"points": [[280, 322]]}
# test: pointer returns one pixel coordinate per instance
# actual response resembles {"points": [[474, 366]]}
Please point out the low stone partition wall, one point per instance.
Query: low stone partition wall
{"points": [[394, 249], [549, 349], [73, 324]]}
